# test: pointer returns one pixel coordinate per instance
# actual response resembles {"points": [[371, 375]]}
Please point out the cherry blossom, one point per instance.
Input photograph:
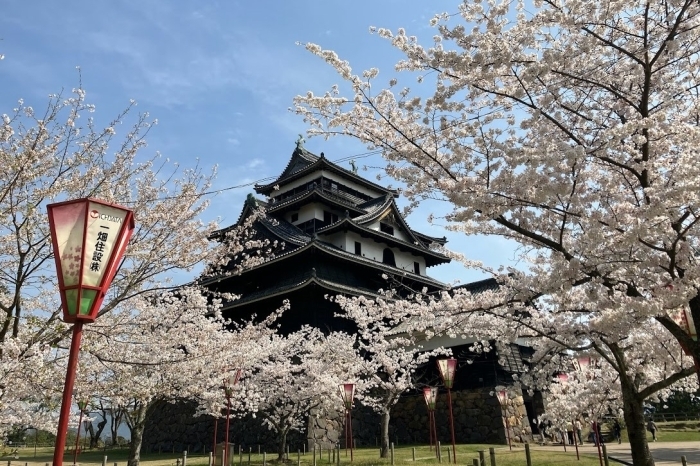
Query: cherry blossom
{"points": [[571, 129], [59, 153]]}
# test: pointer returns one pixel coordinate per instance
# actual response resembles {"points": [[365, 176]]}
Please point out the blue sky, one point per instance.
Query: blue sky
{"points": [[220, 77]]}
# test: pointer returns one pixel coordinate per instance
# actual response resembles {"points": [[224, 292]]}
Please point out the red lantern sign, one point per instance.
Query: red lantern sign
{"points": [[447, 369], [430, 394], [502, 396], [347, 393], [89, 239]]}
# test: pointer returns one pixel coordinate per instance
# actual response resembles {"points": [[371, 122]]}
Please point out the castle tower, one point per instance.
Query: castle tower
{"points": [[342, 234]]}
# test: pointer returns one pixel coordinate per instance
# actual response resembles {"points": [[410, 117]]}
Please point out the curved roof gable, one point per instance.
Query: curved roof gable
{"points": [[304, 162], [309, 195], [386, 208], [279, 228]]}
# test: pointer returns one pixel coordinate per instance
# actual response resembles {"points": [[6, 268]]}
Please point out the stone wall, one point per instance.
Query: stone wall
{"points": [[174, 427], [478, 419]]}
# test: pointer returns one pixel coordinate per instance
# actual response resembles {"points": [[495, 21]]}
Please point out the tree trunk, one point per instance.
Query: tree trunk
{"points": [[282, 445], [115, 421], [636, 427], [386, 415], [137, 422], [95, 435]]}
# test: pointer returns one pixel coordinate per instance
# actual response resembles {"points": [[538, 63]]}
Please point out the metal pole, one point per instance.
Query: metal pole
{"points": [[573, 425], [60, 447], [452, 426], [216, 426], [346, 431], [597, 441], [510, 445], [435, 433], [228, 415], [430, 428], [350, 431], [77, 438]]}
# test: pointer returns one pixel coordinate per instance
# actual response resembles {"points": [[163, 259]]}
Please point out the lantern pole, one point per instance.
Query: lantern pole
{"points": [[81, 406], [89, 238], [213, 448], [229, 383], [347, 391], [66, 401], [434, 427], [228, 417], [430, 396], [447, 369], [573, 425]]}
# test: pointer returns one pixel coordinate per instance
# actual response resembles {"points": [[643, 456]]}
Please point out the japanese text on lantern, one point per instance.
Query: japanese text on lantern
{"points": [[98, 253]]}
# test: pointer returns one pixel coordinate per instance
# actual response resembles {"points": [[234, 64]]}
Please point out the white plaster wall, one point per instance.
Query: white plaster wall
{"points": [[398, 233], [311, 211], [339, 240], [308, 212], [374, 250]]}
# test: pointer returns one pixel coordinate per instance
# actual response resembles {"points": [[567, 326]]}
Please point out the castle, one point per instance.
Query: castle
{"points": [[344, 234]]}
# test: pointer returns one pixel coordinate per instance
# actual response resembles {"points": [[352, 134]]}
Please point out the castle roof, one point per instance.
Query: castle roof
{"points": [[304, 162], [300, 280]]}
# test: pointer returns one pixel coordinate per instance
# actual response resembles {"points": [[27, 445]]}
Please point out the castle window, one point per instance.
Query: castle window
{"points": [[416, 268], [295, 217], [329, 217], [388, 257], [358, 248], [386, 228]]}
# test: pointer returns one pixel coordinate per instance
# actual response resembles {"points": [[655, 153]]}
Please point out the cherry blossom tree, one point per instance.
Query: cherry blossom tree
{"points": [[391, 355], [300, 377], [60, 153], [571, 129], [171, 346]]}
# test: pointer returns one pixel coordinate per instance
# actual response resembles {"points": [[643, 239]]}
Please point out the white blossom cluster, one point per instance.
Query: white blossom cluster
{"points": [[570, 128]]}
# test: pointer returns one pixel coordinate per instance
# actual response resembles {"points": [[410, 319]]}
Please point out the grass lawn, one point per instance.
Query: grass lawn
{"points": [[678, 431], [362, 457]]}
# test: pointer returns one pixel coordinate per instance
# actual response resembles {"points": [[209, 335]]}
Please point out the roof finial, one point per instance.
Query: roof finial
{"points": [[352, 164], [300, 142]]}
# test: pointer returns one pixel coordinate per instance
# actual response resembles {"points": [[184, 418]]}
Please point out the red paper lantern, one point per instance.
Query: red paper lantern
{"points": [[89, 239], [347, 393]]}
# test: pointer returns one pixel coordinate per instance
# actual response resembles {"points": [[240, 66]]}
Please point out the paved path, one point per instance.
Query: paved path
{"points": [[664, 453]]}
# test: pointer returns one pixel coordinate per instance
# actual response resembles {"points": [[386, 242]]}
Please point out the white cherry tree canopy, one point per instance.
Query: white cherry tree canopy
{"points": [[569, 127]]}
